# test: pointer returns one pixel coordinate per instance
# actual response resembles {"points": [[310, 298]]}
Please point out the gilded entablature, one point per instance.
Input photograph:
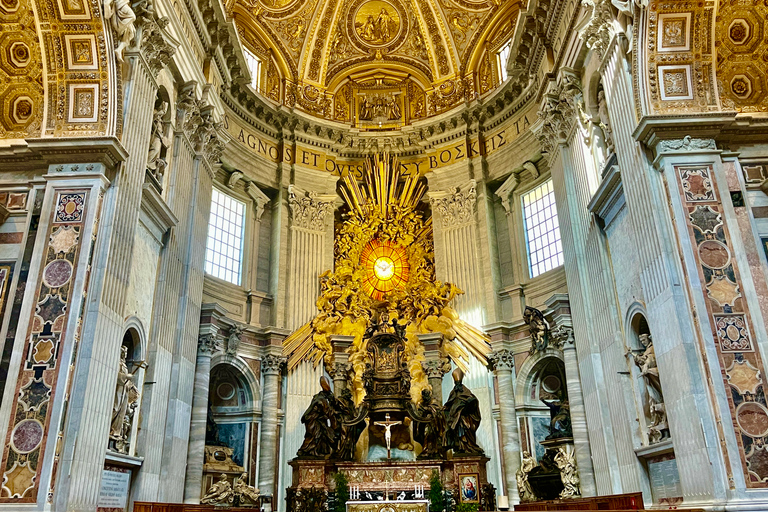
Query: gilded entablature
{"points": [[328, 54]]}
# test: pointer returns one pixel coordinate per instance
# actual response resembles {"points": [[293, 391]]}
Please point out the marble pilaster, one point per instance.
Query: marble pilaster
{"points": [[503, 362], [196, 451], [271, 368]]}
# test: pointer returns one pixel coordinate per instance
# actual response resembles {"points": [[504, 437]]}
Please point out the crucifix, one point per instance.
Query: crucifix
{"points": [[387, 432]]}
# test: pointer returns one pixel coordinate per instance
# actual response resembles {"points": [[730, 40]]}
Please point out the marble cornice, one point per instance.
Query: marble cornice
{"points": [[710, 125], [37, 153]]}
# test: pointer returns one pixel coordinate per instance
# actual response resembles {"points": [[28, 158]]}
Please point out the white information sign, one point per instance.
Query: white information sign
{"points": [[114, 489]]}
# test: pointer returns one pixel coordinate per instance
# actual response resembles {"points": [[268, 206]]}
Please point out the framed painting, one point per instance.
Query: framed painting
{"points": [[468, 488]]}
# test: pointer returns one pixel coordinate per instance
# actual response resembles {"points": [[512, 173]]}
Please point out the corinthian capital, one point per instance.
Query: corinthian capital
{"points": [[154, 40], [561, 336], [434, 369], [272, 365], [339, 370], [206, 344], [501, 360], [562, 105], [309, 210], [456, 206], [599, 30]]}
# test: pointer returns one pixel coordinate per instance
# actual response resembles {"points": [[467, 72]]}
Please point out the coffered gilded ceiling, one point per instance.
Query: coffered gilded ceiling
{"points": [[378, 64]]}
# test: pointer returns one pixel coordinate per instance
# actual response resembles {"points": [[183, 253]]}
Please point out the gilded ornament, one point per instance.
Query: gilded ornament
{"points": [[384, 265]]}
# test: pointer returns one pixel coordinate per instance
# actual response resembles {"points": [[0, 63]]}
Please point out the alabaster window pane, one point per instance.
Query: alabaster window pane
{"points": [[542, 230], [224, 248]]}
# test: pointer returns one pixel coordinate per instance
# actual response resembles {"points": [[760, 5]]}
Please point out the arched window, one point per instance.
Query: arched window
{"points": [[502, 56], [254, 66]]}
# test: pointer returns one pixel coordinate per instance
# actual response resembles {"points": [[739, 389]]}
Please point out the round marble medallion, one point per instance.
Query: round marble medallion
{"points": [[714, 254], [225, 390], [27, 435], [550, 383], [752, 418], [57, 273]]}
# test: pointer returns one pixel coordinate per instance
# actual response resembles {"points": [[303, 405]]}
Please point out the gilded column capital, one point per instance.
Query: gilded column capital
{"points": [[206, 344], [501, 360], [272, 364]]}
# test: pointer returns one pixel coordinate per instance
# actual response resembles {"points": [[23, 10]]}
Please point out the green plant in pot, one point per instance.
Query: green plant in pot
{"points": [[436, 497], [342, 491]]}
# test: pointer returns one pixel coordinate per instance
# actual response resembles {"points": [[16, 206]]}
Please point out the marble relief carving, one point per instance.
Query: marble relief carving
{"points": [[741, 363], [30, 414]]}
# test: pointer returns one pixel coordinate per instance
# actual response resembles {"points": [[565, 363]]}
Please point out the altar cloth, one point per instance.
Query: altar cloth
{"points": [[388, 506]]}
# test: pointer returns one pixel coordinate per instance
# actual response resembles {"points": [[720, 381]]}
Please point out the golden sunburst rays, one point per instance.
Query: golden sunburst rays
{"points": [[384, 260], [382, 188]]}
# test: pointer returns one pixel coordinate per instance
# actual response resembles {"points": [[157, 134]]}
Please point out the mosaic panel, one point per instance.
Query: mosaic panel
{"points": [[742, 366], [30, 415]]}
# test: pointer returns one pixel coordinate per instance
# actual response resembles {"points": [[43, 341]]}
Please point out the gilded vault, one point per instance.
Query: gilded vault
{"points": [[375, 64]]}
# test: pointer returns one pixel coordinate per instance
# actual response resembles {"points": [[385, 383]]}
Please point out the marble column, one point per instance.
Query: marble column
{"points": [[502, 361], [578, 415], [435, 372], [196, 452], [341, 367], [271, 368], [339, 372]]}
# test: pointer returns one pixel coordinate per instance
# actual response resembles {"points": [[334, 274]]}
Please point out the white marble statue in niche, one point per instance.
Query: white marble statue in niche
{"points": [[158, 143], [125, 405], [645, 361]]}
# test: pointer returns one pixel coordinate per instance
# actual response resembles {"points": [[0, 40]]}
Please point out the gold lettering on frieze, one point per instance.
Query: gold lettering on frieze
{"points": [[439, 157]]}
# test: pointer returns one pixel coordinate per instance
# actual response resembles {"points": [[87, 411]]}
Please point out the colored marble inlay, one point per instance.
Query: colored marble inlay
{"points": [[30, 416], [741, 365]]}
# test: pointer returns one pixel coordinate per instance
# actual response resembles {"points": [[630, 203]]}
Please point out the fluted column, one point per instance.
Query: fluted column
{"points": [[271, 368], [502, 362], [435, 372], [206, 345], [578, 413]]}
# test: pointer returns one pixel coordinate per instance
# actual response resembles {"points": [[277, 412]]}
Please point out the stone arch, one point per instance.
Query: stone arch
{"points": [[251, 382], [529, 370], [636, 319], [134, 328]]}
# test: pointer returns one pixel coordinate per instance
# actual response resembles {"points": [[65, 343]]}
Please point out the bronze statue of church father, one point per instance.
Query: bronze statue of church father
{"points": [[388, 447]]}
